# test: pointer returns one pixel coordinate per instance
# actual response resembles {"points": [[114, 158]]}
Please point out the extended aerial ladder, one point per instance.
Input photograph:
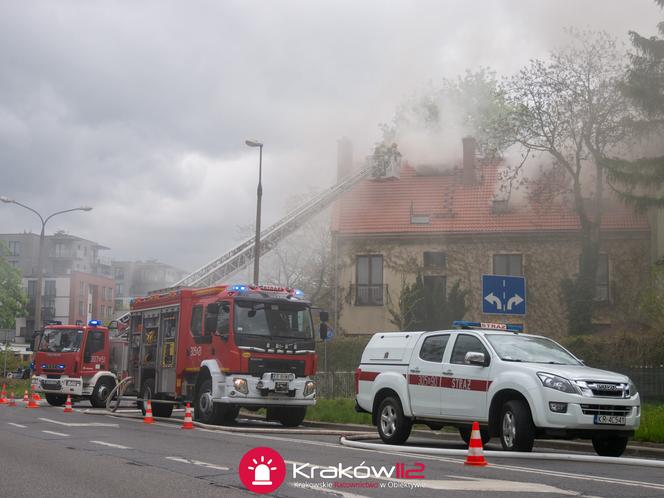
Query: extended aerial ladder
{"points": [[242, 255]]}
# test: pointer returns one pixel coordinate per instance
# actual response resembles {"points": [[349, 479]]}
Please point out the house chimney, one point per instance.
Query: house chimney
{"points": [[344, 158], [469, 147]]}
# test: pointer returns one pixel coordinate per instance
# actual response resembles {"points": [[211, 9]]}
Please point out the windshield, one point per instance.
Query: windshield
{"points": [[273, 320], [61, 340], [512, 347]]}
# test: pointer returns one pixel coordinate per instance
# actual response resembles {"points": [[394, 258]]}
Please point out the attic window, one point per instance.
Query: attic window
{"points": [[419, 219], [500, 206]]}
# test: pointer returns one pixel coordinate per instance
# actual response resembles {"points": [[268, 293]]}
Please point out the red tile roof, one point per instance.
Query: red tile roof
{"points": [[385, 207]]}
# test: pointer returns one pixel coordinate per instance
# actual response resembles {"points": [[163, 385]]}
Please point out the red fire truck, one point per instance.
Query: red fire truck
{"points": [[79, 361], [224, 348], [220, 348]]}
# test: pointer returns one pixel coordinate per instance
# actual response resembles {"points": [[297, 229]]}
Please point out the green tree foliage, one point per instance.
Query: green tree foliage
{"points": [[472, 104], [652, 299], [12, 298], [640, 181], [569, 107], [428, 308]]}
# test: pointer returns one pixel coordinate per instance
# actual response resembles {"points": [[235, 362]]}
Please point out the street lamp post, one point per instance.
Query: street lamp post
{"points": [[40, 269], [259, 195]]}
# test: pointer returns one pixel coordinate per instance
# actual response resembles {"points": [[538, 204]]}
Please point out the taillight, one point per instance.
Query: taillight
{"points": [[358, 371]]}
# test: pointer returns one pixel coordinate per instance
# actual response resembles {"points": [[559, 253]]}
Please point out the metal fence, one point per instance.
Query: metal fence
{"points": [[648, 380], [335, 384]]}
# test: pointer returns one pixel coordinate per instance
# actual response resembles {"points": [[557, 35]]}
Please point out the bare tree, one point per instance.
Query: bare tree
{"points": [[570, 107]]}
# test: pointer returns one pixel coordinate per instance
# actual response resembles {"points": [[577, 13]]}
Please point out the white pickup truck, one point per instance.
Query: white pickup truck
{"points": [[517, 386]]}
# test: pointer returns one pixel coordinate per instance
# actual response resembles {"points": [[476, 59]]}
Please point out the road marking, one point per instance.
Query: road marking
{"points": [[197, 462], [18, 425], [70, 424], [118, 446], [56, 433]]}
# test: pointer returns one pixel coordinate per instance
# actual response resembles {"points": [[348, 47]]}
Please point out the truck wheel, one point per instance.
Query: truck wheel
{"points": [[205, 410], [56, 399], [101, 391], [610, 445], [517, 431], [162, 409], [465, 431], [289, 416], [393, 426]]}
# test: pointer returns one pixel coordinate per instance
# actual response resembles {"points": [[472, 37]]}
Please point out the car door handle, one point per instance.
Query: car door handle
{"points": [[448, 372], [415, 370]]}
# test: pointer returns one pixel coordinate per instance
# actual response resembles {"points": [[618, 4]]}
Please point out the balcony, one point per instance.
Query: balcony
{"points": [[368, 295]]}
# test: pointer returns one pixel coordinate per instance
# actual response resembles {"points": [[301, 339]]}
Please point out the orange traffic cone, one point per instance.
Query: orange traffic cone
{"points": [[32, 403], [3, 395], [12, 401], [475, 451], [188, 423], [35, 395], [68, 408], [26, 399], [148, 414]]}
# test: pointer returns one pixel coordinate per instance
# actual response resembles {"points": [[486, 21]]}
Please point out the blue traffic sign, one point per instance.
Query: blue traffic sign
{"points": [[503, 295]]}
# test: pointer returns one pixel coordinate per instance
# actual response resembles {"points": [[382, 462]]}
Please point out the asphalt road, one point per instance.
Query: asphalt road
{"points": [[45, 452]]}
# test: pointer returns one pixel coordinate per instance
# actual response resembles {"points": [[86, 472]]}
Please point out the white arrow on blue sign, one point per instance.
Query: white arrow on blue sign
{"points": [[503, 295]]}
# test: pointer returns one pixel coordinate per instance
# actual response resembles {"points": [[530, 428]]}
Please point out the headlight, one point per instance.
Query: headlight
{"points": [[633, 391], [555, 382], [309, 388], [241, 386]]}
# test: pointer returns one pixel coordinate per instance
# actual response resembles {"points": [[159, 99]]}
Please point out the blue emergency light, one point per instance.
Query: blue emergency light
{"points": [[486, 325], [94, 323], [239, 288], [298, 293]]}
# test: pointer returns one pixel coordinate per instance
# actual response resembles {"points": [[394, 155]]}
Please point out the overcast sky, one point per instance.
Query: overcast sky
{"points": [[140, 109]]}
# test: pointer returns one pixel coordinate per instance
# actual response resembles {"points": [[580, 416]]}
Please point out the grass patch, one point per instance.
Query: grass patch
{"points": [[652, 424], [17, 385], [339, 410]]}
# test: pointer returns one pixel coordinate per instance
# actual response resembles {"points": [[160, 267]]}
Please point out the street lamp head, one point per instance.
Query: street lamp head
{"points": [[6, 199], [253, 143], [85, 208]]}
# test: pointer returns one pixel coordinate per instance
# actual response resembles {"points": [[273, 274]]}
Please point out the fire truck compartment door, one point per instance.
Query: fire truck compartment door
{"points": [[167, 351]]}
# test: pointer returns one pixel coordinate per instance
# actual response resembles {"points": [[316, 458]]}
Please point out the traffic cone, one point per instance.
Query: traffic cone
{"points": [[32, 403], [68, 408], [188, 423], [12, 401], [26, 399], [475, 451], [148, 414], [3, 395], [35, 395]]}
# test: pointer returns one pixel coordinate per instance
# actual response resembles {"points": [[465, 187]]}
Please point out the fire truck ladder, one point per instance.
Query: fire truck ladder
{"points": [[242, 255]]}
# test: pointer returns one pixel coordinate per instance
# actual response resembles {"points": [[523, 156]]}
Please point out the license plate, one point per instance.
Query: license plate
{"points": [[610, 420], [282, 376], [281, 387]]}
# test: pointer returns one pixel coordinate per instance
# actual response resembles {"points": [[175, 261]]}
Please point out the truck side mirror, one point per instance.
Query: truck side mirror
{"points": [[475, 358], [322, 331], [324, 316]]}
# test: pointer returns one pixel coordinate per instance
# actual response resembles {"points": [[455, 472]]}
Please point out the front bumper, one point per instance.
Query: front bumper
{"points": [[264, 391], [581, 411], [63, 385]]}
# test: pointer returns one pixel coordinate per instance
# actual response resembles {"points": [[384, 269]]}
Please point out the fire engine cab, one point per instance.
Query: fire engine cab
{"points": [[517, 386], [75, 360], [223, 348]]}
